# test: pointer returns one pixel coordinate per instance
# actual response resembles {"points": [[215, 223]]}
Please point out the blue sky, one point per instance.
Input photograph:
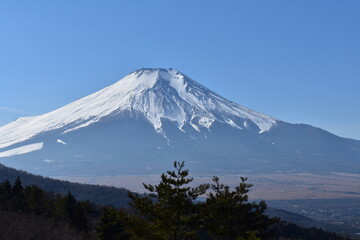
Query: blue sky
{"points": [[298, 61]]}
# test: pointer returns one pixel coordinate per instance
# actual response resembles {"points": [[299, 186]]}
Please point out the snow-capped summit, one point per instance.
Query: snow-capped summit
{"points": [[156, 94]]}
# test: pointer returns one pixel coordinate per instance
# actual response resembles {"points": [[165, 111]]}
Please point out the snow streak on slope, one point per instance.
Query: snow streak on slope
{"points": [[156, 94], [22, 150]]}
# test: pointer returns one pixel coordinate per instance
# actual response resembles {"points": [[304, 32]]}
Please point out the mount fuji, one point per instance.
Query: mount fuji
{"points": [[152, 117]]}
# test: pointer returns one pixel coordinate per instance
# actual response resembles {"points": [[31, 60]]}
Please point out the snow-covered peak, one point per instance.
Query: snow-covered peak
{"points": [[156, 94]]}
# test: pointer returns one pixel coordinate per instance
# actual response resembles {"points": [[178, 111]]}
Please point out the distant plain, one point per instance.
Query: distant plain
{"points": [[279, 186]]}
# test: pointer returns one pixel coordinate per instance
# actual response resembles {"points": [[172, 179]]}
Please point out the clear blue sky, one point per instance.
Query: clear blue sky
{"points": [[298, 61]]}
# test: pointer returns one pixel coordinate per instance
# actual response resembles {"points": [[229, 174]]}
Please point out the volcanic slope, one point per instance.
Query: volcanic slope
{"points": [[153, 117]]}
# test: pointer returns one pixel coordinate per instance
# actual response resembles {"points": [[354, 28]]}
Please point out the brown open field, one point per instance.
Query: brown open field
{"points": [[266, 186]]}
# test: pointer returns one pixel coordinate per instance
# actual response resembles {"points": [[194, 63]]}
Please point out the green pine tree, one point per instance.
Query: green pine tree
{"points": [[229, 216], [36, 199], [113, 225], [18, 202], [5, 194], [68, 207], [169, 212]]}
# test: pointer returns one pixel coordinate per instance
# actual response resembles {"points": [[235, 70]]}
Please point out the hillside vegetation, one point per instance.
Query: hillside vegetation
{"points": [[170, 211], [101, 195]]}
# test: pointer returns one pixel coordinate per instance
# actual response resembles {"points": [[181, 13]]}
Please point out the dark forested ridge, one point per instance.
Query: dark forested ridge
{"points": [[16, 225], [32, 213], [101, 195], [308, 222], [291, 231], [340, 215]]}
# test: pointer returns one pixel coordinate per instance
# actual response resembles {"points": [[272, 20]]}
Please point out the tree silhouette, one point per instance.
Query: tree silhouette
{"points": [[229, 215], [18, 202], [113, 225], [169, 211]]}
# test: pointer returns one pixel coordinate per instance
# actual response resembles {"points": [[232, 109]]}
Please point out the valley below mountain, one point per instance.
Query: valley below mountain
{"points": [[277, 186]]}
